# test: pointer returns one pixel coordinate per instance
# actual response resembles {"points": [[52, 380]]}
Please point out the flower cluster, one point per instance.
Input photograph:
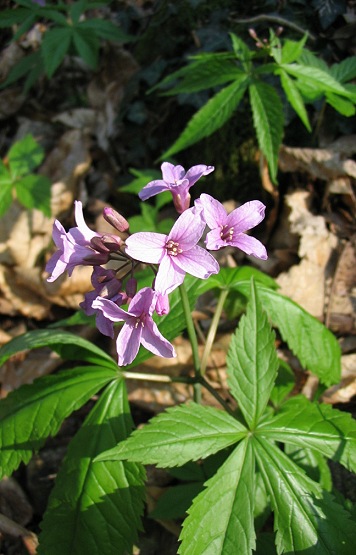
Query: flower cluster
{"points": [[170, 256]]}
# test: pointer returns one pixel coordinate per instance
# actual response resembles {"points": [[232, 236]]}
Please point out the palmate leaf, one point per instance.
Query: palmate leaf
{"points": [[34, 191], [317, 426], [178, 435], [33, 412], [321, 79], [314, 345], [220, 521], [345, 70], [55, 45], [211, 116], [230, 278], [341, 105], [267, 111], [6, 185], [95, 507], [67, 345], [252, 361], [24, 156], [306, 519], [87, 45], [294, 98]]}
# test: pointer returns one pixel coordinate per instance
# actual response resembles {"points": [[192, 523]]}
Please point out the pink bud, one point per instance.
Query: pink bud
{"points": [[115, 219]]}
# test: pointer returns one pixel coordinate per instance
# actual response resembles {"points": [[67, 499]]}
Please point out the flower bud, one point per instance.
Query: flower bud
{"points": [[131, 287], [115, 219], [162, 304]]}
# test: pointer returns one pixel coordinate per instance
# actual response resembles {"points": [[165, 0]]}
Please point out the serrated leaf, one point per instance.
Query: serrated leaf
{"points": [[55, 45], [342, 105], [178, 435], [25, 66], [314, 345], [6, 185], [24, 156], [87, 45], [322, 79], [252, 362], [202, 74], [241, 50], [95, 508], [230, 278], [345, 70], [175, 502], [12, 17], [107, 30], [267, 111], [220, 521], [317, 426], [142, 177], [315, 465], [210, 117], [305, 517], [34, 191], [292, 50], [294, 98], [67, 345], [284, 384], [31, 413]]}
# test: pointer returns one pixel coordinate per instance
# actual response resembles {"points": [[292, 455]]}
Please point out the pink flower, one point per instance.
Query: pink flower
{"points": [[74, 247], [176, 253], [139, 328], [229, 229], [177, 181]]}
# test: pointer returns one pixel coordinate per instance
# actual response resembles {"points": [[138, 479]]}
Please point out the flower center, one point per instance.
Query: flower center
{"points": [[226, 233], [139, 321], [173, 248]]}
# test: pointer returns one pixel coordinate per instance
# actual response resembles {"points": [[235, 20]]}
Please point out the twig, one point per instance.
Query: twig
{"points": [[276, 19]]}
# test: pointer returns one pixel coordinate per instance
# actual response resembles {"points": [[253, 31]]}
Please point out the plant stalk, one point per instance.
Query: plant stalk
{"points": [[193, 341]]}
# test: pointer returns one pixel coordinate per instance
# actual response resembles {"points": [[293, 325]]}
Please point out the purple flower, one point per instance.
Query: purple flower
{"points": [[176, 253], [162, 304], [177, 181], [74, 247], [229, 229], [138, 327], [105, 285]]}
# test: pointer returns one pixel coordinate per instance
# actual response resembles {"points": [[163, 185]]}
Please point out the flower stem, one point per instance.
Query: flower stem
{"points": [[193, 340], [212, 331]]}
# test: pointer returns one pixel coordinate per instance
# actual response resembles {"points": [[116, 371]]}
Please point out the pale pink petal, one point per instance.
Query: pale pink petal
{"points": [[87, 233], [153, 188], [146, 246], [111, 310], [214, 213], [198, 262], [128, 344], [169, 275], [153, 341], [143, 302], [246, 216], [213, 240], [196, 172], [250, 245], [171, 173], [55, 266], [188, 229]]}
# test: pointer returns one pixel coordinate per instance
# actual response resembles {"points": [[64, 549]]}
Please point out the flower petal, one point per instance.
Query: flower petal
{"points": [[146, 246], [169, 275], [128, 344], [250, 245], [171, 173], [214, 213], [213, 240], [111, 310], [246, 216], [85, 231], [153, 341], [198, 262], [196, 172], [188, 229], [143, 301], [153, 188]]}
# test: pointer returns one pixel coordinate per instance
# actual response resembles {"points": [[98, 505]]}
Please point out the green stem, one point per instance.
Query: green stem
{"points": [[212, 331], [216, 395], [193, 340]]}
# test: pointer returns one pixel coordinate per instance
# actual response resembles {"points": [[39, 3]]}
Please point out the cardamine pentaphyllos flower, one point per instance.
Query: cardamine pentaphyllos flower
{"points": [[178, 182], [229, 229], [177, 253], [138, 328]]}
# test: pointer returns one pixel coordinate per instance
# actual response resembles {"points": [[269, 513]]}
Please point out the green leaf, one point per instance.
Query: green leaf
{"points": [[34, 191], [27, 65], [220, 521], [24, 156], [252, 361], [267, 111], [306, 519], [342, 105], [178, 435], [294, 98], [76, 10], [95, 508], [285, 383], [317, 426], [322, 79], [13, 17], [6, 185], [87, 45], [307, 58], [292, 50], [142, 178], [67, 345], [106, 30], [345, 70], [241, 50], [230, 279], [55, 45], [175, 502], [33, 412], [210, 117], [315, 346], [315, 465], [202, 74]]}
